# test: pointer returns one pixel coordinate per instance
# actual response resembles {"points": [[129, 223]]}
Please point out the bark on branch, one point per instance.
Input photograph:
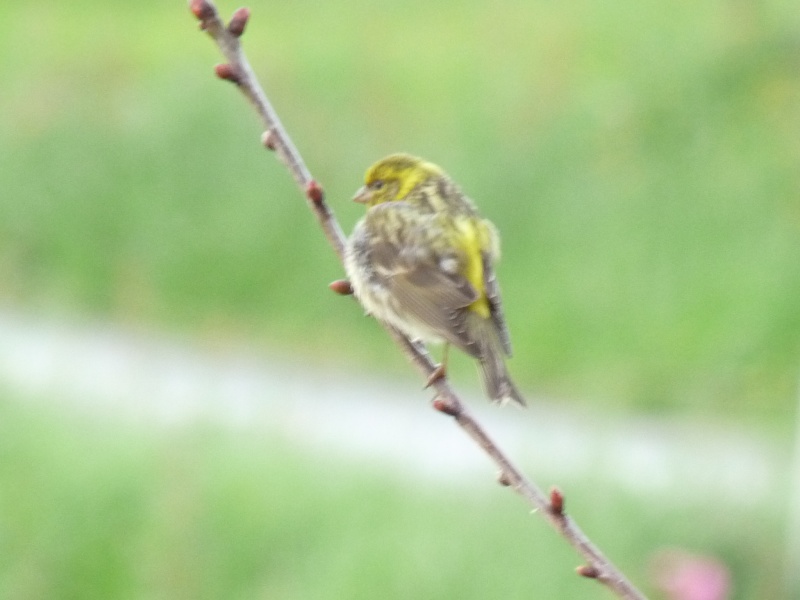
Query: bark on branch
{"points": [[238, 71]]}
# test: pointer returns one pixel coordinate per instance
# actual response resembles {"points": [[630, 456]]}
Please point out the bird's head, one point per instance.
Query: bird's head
{"points": [[394, 178]]}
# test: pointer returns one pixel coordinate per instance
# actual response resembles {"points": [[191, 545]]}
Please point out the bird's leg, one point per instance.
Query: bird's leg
{"points": [[440, 372]]}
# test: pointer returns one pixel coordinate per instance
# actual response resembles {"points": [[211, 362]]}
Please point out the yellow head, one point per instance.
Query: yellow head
{"points": [[393, 178]]}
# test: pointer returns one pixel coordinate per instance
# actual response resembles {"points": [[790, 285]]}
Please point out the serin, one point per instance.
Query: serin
{"points": [[422, 260]]}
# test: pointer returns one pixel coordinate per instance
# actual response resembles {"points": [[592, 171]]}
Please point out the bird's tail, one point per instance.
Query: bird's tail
{"points": [[496, 380], [490, 350]]}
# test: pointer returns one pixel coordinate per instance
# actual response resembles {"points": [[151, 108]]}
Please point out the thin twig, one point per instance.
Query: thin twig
{"points": [[275, 138]]}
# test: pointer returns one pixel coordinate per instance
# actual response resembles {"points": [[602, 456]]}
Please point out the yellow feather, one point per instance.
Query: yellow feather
{"points": [[473, 241], [412, 176]]}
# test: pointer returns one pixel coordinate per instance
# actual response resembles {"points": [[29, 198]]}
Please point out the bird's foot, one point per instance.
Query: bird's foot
{"points": [[439, 373]]}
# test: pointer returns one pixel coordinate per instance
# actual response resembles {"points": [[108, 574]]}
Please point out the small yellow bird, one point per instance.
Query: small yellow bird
{"points": [[422, 260]]}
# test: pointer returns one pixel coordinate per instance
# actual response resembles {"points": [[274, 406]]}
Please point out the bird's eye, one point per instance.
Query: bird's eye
{"points": [[377, 184]]}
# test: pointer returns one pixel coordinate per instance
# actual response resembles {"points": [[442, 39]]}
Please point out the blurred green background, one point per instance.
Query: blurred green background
{"points": [[641, 160]]}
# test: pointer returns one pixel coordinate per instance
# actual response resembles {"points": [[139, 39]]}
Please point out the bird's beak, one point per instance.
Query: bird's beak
{"points": [[363, 195]]}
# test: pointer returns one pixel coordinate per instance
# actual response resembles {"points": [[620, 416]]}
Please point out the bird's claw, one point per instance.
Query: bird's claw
{"points": [[439, 373]]}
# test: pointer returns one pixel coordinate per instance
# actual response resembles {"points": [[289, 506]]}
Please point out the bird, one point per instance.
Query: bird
{"points": [[422, 260]]}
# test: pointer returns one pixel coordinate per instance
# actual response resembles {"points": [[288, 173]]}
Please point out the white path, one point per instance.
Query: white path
{"points": [[110, 370]]}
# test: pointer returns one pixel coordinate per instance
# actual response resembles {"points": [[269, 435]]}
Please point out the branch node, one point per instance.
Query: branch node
{"points": [[341, 287], [228, 72], [503, 479], [269, 139], [446, 405], [588, 571], [202, 9], [239, 21], [314, 192], [556, 502]]}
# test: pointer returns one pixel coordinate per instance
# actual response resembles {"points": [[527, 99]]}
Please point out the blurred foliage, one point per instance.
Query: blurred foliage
{"points": [[95, 508], [640, 158]]}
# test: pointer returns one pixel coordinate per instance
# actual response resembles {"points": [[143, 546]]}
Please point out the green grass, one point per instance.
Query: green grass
{"points": [[639, 159], [95, 507]]}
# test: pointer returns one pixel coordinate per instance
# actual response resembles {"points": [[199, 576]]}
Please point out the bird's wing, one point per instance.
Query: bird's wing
{"points": [[492, 290], [427, 288]]}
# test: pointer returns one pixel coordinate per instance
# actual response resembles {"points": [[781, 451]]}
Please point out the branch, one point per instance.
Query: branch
{"points": [[238, 71]]}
